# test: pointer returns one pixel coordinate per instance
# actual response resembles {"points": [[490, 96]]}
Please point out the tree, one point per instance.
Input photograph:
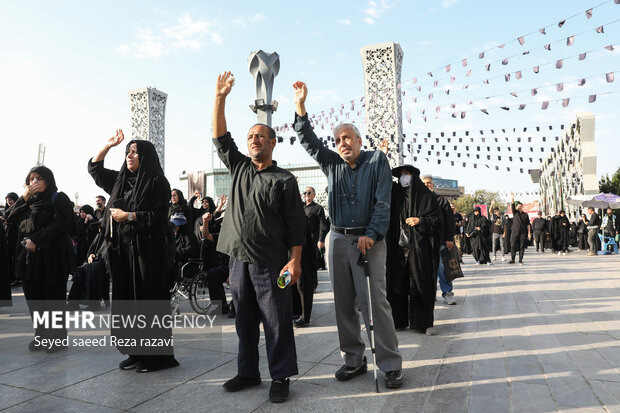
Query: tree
{"points": [[610, 185], [465, 204]]}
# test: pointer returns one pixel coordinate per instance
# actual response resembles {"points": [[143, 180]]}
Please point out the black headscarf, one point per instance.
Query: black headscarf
{"points": [[40, 204], [87, 209], [211, 204], [133, 187], [12, 195], [180, 207]]}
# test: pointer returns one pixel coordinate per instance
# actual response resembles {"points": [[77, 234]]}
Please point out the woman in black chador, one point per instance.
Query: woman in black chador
{"points": [[136, 223], [412, 261], [582, 233], [5, 279], [477, 231], [44, 257]]}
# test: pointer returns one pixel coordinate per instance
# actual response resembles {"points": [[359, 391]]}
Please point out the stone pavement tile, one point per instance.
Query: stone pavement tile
{"points": [[318, 391], [572, 392], [58, 370], [124, 389], [10, 396], [531, 397], [523, 366], [489, 397], [608, 392], [49, 403], [205, 392]]}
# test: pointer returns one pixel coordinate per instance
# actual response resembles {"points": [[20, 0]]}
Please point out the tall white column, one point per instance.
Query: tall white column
{"points": [[382, 70], [148, 118]]}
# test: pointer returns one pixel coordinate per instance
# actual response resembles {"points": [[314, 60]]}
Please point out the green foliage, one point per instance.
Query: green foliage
{"points": [[465, 204], [610, 185]]}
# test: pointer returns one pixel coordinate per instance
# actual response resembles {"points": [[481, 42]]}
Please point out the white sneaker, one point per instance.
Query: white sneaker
{"points": [[503, 258], [490, 263], [449, 299], [493, 259], [431, 331], [563, 253], [559, 253]]}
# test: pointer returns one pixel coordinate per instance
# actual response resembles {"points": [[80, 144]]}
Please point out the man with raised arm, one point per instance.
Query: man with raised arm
{"points": [[360, 185], [263, 233]]}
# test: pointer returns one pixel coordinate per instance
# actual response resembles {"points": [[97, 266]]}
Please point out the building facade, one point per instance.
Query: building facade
{"points": [[570, 168]]}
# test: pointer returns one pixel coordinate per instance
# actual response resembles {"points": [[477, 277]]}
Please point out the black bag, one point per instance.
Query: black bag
{"points": [[451, 266]]}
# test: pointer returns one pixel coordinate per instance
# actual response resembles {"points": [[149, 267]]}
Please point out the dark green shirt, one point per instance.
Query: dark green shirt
{"points": [[265, 216]]}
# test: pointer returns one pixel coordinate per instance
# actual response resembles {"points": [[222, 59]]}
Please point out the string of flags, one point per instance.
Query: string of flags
{"points": [[466, 132], [507, 77], [521, 40], [520, 106], [467, 163], [533, 91]]}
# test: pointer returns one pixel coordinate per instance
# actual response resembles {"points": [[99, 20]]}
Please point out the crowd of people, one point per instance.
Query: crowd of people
{"points": [[386, 245]]}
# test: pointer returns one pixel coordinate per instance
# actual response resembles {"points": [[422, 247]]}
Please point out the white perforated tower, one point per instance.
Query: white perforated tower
{"points": [[382, 69], [148, 118]]}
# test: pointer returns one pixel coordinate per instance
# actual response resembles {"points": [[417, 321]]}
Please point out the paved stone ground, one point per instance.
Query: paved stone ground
{"points": [[537, 338]]}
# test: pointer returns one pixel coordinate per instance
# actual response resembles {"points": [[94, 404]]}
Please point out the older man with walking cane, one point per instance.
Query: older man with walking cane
{"points": [[360, 186]]}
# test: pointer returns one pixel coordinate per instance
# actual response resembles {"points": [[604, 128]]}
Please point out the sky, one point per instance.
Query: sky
{"points": [[67, 66]]}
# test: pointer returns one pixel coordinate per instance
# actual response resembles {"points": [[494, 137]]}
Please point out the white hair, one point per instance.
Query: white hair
{"points": [[347, 125], [423, 177]]}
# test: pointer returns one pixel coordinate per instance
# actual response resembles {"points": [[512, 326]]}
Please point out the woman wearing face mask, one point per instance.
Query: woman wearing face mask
{"points": [[413, 242], [44, 257], [136, 225]]}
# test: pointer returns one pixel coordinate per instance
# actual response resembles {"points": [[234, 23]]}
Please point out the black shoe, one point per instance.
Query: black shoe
{"points": [[128, 364], [278, 392], [511, 262], [142, 367], [33, 346], [394, 379], [300, 323], [241, 383], [345, 372], [231, 311], [225, 309]]}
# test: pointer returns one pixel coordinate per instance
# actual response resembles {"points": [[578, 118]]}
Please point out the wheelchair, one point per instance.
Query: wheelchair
{"points": [[608, 245], [191, 285]]}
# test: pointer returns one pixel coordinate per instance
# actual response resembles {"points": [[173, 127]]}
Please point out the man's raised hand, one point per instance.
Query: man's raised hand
{"points": [[384, 146], [225, 82], [301, 92]]}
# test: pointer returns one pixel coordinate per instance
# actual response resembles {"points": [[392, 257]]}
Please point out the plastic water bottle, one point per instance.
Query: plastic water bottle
{"points": [[284, 279]]}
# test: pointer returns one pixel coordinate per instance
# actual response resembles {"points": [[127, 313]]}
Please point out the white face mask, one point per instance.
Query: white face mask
{"points": [[405, 180]]}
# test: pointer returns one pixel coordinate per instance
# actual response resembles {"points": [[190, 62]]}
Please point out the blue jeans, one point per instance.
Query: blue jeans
{"points": [[444, 284]]}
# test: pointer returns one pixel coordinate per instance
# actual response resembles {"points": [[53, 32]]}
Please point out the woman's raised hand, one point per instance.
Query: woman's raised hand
{"points": [[116, 139]]}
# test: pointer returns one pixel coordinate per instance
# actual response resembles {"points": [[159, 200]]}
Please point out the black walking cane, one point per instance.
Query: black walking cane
{"points": [[364, 261]]}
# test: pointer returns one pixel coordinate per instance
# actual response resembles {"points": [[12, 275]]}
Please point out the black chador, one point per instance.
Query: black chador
{"points": [[582, 235], [5, 278], [46, 219], [412, 270], [477, 231], [137, 260], [563, 232], [556, 234]]}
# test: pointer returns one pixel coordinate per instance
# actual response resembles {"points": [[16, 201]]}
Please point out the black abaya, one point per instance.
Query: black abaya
{"points": [[412, 271], [478, 238], [5, 278], [137, 259], [46, 219]]}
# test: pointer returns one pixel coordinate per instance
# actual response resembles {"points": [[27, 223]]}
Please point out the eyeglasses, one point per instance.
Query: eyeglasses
{"points": [[308, 193]]}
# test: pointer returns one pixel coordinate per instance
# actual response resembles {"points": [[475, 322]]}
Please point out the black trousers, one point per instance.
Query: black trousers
{"points": [[216, 277], [539, 239], [257, 299], [517, 243]]}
